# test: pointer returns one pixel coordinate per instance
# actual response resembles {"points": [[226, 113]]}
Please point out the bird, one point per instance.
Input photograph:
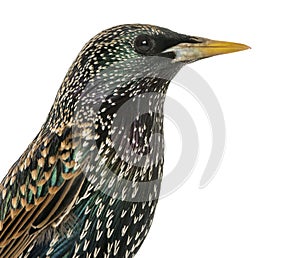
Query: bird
{"points": [[89, 182]]}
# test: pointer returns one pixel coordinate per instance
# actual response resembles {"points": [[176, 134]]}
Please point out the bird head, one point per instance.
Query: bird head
{"points": [[134, 59], [138, 40], [148, 51]]}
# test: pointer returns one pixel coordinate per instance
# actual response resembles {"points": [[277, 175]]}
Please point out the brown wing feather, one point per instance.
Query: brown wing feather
{"points": [[39, 189]]}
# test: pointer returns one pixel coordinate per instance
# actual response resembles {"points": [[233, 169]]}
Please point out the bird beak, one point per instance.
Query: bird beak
{"points": [[190, 52]]}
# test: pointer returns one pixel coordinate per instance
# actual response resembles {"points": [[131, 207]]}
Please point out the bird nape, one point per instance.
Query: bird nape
{"points": [[88, 184]]}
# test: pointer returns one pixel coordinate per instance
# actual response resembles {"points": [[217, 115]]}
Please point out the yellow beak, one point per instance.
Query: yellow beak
{"points": [[190, 52]]}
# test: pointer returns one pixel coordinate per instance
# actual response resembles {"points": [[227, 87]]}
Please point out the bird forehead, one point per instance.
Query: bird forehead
{"points": [[129, 32], [138, 28]]}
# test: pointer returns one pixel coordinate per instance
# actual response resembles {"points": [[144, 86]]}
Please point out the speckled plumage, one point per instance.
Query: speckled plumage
{"points": [[88, 184]]}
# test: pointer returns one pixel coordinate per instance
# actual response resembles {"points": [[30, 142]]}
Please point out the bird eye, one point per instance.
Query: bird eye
{"points": [[143, 44]]}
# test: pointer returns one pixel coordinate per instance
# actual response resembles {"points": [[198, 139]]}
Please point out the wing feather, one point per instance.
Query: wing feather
{"points": [[38, 191]]}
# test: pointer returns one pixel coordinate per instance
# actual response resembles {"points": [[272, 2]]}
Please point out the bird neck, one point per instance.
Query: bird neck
{"points": [[117, 123], [121, 141], [117, 129]]}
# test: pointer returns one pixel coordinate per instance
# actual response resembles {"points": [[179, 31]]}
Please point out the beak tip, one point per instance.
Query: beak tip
{"points": [[224, 47], [247, 47]]}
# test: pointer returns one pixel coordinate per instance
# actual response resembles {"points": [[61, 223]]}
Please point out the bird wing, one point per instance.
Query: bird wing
{"points": [[38, 191]]}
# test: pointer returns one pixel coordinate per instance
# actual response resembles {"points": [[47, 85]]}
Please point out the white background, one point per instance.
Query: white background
{"points": [[251, 209]]}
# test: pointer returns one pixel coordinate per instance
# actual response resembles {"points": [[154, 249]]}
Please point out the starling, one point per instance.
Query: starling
{"points": [[88, 184]]}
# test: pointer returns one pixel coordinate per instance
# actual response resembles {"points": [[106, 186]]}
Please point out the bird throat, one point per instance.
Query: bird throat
{"points": [[120, 135], [117, 126]]}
